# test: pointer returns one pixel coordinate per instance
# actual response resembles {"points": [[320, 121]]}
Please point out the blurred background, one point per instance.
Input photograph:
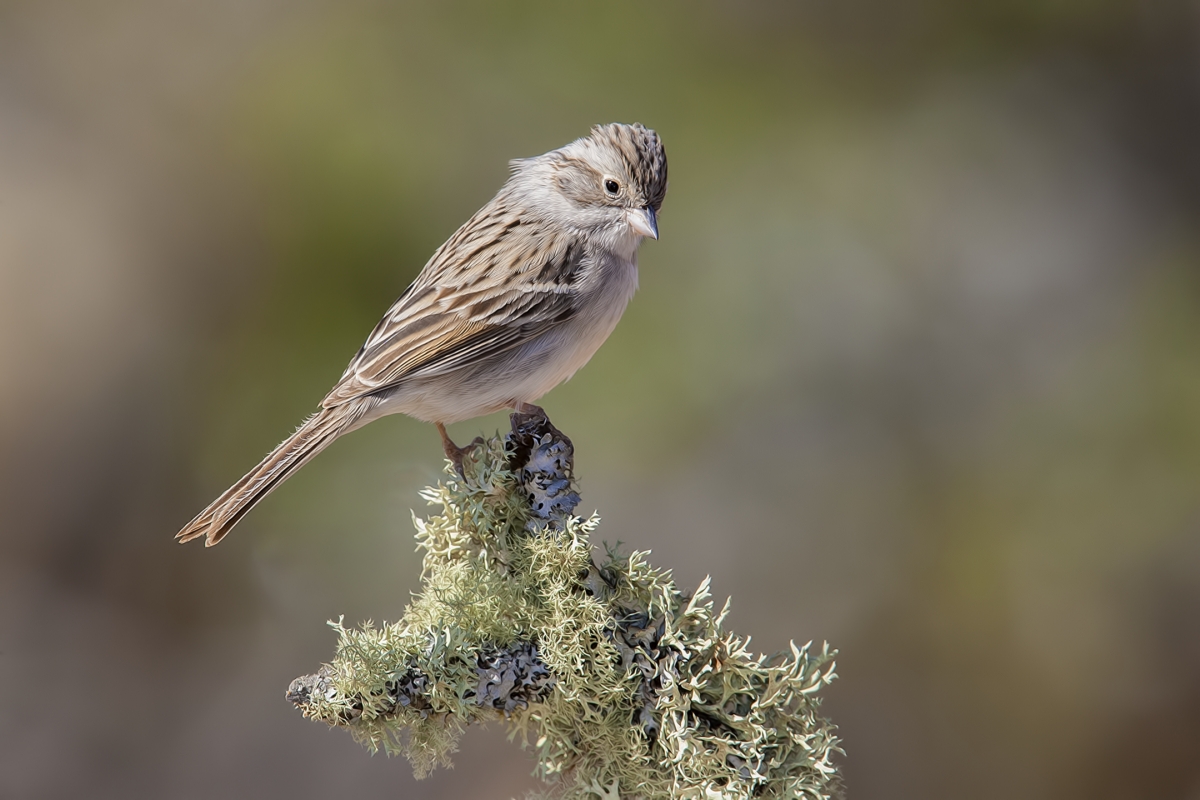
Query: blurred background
{"points": [[914, 369]]}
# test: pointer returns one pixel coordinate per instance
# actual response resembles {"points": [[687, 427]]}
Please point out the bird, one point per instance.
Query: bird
{"points": [[511, 305]]}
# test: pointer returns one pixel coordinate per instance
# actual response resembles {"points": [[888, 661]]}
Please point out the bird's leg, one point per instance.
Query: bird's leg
{"points": [[454, 452]]}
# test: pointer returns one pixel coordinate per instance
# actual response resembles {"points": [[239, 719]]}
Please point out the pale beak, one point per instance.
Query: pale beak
{"points": [[643, 221]]}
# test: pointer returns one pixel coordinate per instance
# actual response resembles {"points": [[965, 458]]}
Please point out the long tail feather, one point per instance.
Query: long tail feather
{"points": [[313, 436]]}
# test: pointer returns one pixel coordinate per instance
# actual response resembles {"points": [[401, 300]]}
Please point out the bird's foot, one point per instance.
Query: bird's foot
{"points": [[455, 453]]}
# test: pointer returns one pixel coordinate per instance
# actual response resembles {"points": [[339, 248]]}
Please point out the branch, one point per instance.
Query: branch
{"points": [[628, 687]]}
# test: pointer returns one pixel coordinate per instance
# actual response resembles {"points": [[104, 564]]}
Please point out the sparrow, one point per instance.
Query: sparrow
{"points": [[513, 304]]}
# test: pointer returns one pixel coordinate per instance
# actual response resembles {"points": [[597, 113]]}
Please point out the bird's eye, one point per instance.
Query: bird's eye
{"points": [[611, 186]]}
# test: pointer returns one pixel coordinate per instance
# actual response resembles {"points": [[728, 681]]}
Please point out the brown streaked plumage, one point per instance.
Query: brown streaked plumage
{"points": [[513, 303]]}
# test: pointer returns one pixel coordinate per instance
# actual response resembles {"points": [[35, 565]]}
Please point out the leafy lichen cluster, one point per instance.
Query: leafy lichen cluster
{"points": [[624, 686]]}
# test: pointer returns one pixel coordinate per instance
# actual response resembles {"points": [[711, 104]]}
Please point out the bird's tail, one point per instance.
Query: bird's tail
{"points": [[313, 436]]}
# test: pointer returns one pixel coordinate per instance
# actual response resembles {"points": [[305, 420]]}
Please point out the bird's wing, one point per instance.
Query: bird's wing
{"points": [[496, 284]]}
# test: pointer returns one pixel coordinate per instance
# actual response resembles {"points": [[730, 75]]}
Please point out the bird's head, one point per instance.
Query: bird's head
{"points": [[611, 182]]}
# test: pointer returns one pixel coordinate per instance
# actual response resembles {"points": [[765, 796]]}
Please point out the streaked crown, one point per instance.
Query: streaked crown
{"points": [[643, 154]]}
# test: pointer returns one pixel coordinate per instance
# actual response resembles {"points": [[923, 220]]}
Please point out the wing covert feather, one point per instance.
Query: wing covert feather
{"points": [[496, 284]]}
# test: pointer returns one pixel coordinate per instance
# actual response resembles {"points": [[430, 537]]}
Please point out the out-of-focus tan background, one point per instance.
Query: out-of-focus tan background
{"points": [[915, 367]]}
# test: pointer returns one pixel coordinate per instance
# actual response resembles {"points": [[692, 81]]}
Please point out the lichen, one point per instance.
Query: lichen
{"points": [[623, 685]]}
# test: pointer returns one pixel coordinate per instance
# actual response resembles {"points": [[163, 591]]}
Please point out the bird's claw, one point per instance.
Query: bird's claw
{"points": [[457, 454]]}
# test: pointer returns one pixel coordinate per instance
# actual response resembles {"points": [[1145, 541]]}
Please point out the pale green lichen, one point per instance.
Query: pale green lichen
{"points": [[624, 686]]}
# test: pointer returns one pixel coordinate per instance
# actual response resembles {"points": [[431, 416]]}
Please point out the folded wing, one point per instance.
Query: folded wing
{"points": [[497, 284]]}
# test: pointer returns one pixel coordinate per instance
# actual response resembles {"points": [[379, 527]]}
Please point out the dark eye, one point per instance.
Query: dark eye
{"points": [[611, 186]]}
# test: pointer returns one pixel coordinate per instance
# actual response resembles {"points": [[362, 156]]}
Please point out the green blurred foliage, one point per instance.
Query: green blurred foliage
{"points": [[913, 367]]}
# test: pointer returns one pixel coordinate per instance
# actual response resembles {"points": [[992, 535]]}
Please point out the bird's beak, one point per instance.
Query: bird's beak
{"points": [[644, 221]]}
